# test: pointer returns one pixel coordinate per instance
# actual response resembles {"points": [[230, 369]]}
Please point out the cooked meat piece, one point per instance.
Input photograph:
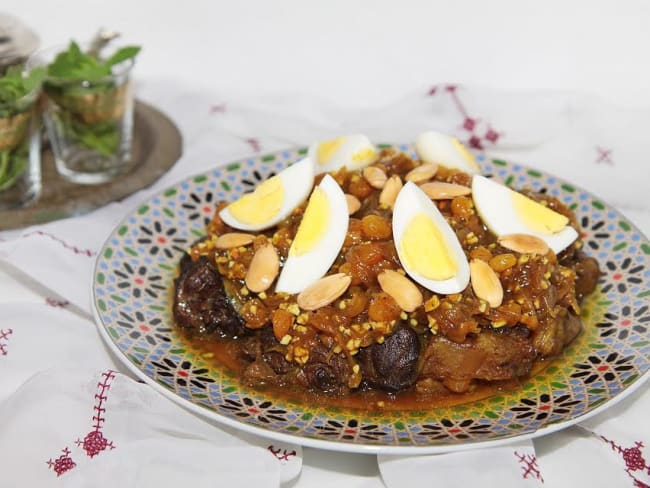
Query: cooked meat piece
{"points": [[392, 365], [553, 335], [587, 272], [201, 305], [490, 355]]}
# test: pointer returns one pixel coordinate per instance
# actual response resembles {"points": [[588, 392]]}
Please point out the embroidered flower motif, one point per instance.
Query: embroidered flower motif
{"points": [[63, 463], [623, 324]]}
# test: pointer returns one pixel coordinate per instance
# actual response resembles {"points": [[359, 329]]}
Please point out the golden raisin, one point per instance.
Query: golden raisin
{"points": [[482, 253], [282, 322], [501, 262], [462, 207], [360, 188], [376, 227], [383, 308], [255, 313]]}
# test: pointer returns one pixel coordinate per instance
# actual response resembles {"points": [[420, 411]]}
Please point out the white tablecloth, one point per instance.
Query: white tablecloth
{"points": [[240, 79]]}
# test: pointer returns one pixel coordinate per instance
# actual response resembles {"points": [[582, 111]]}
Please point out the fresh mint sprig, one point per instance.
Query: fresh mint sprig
{"points": [[76, 65]]}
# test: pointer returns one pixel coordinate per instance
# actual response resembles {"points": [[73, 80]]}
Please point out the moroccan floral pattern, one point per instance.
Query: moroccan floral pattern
{"points": [[136, 268]]}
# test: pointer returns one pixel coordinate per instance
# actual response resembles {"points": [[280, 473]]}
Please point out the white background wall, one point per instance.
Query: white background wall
{"points": [[370, 52]]}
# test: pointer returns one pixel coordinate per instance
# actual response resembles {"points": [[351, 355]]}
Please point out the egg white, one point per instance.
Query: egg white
{"points": [[436, 147], [411, 201], [300, 271], [343, 156], [494, 205], [297, 181]]}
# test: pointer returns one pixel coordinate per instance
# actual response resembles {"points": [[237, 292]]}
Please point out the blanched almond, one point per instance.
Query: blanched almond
{"points": [[324, 291], [389, 193], [524, 243], [233, 239], [422, 173], [401, 289], [376, 177], [485, 282], [263, 269], [439, 190], [353, 203]]}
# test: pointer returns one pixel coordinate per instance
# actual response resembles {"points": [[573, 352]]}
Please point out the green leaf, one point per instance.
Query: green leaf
{"points": [[123, 54]]}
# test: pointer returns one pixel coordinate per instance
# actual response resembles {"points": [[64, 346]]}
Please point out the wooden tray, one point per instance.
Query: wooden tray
{"points": [[157, 145]]}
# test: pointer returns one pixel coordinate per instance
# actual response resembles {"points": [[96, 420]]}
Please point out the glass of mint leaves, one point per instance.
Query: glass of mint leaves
{"points": [[88, 110], [20, 166]]}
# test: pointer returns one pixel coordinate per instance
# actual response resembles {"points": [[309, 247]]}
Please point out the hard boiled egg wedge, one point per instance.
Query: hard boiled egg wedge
{"points": [[506, 211], [354, 152], [273, 200], [318, 240], [426, 244], [438, 148]]}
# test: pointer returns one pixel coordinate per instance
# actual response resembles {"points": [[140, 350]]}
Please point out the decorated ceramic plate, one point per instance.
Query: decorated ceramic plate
{"points": [[134, 277]]}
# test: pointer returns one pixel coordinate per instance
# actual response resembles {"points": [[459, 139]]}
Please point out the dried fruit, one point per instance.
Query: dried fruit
{"points": [[233, 239], [263, 269], [524, 243], [376, 177], [353, 203], [422, 173], [324, 291], [485, 282], [401, 289], [439, 190], [389, 193]]}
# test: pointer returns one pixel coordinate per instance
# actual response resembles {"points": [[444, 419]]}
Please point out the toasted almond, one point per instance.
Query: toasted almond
{"points": [[424, 172], [439, 190], [524, 243], [324, 291], [403, 290], [376, 177], [353, 203], [233, 239], [389, 193], [263, 269], [485, 282]]}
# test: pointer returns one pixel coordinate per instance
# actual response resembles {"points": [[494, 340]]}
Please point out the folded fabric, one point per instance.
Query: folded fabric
{"points": [[66, 413]]}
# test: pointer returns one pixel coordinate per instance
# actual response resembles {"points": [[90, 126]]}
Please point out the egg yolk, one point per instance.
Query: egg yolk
{"points": [[468, 156], [314, 224], [424, 250], [536, 216], [260, 206], [327, 149], [365, 155]]}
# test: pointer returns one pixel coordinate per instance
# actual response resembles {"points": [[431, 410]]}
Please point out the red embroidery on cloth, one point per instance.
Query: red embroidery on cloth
{"points": [[53, 302], [4, 339], [63, 463], [95, 442], [634, 460], [220, 108], [529, 468], [604, 156], [478, 133], [254, 144], [75, 249], [281, 454]]}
